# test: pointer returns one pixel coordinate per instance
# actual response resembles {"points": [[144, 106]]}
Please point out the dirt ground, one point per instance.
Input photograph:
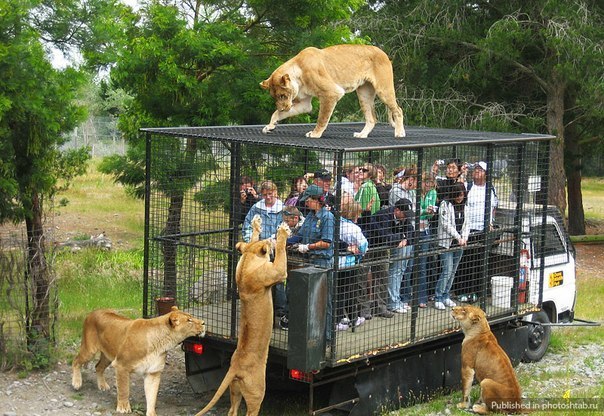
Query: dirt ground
{"points": [[50, 392]]}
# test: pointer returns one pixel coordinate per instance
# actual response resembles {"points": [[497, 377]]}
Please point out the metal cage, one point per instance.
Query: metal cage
{"points": [[194, 217]]}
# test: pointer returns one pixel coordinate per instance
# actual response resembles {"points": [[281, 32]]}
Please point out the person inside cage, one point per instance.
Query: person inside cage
{"points": [[385, 231], [367, 195], [348, 183], [294, 219], [452, 237], [468, 285], [315, 240], [455, 171], [248, 196], [381, 185], [351, 293], [427, 263], [321, 179], [268, 208], [298, 187]]}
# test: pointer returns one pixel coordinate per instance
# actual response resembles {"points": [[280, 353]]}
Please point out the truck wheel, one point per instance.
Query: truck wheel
{"points": [[538, 338]]}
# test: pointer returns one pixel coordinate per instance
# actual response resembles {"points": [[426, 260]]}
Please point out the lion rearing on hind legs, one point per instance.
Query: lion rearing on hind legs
{"points": [[255, 276]]}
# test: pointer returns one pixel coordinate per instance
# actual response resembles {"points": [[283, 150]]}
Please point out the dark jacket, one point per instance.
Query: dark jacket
{"points": [[384, 231]]}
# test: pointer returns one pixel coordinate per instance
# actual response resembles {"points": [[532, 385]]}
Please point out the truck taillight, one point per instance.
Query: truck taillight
{"points": [[193, 347], [299, 375]]}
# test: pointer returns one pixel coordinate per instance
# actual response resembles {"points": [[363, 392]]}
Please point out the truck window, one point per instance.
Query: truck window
{"points": [[553, 242]]}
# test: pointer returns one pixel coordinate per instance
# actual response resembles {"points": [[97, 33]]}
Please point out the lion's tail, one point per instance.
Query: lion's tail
{"points": [[230, 375]]}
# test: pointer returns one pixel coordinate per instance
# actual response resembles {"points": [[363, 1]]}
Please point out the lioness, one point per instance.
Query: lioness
{"points": [[255, 275], [138, 345], [481, 356], [328, 74]]}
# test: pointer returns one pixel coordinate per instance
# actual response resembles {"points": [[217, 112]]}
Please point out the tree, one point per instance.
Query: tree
{"points": [[37, 106], [200, 63], [539, 61]]}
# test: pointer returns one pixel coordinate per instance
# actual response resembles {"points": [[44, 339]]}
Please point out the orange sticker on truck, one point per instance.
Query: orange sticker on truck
{"points": [[556, 279]]}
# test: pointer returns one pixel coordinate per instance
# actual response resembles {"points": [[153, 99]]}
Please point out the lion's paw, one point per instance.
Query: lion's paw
{"points": [[257, 223], [480, 409], [103, 386], [463, 405], [314, 135], [268, 128], [284, 230], [76, 382], [123, 408], [360, 135]]}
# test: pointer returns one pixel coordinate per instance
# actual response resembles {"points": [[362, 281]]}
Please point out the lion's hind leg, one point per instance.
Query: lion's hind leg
{"points": [[496, 397], [366, 96], [100, 372], [236, 396], [388, 97], [87, 352]]}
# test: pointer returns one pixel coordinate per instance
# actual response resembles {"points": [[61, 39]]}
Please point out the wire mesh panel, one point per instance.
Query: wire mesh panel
{"points": [[406, 228]]}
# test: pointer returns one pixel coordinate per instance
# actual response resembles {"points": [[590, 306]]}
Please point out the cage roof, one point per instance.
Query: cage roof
{"points": [[339, 136]]}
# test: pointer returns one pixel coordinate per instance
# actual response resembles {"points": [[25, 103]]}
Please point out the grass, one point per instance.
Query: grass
{"points": [[593, 198], [91, 279]]}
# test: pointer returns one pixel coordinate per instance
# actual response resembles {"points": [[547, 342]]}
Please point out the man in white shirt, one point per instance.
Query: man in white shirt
{"points": [[468, 282], [476, 202]]}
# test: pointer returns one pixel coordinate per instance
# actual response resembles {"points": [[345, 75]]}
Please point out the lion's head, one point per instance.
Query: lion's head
{"points": [[282, 90], [262, 248], [186, 324], [471, 318]]}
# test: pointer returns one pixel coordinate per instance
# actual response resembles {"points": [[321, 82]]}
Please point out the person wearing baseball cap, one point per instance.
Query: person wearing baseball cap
{"points": [[469, 274]]}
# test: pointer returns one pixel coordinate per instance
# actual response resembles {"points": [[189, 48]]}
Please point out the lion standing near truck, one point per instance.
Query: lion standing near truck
{"points": [[328, 74], [138, 345], [255, 276]]}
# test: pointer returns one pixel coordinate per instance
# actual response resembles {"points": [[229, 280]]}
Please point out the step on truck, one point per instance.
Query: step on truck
{"points": [[521, 270]]}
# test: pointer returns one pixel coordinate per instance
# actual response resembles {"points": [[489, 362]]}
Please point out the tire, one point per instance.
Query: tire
{"points": [[538, 338]]}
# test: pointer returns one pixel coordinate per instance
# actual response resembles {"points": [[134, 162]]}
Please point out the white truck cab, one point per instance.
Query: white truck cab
{"points": [[553, 288]]}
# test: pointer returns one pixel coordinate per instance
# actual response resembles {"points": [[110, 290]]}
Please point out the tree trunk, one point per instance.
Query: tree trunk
{"points": [[39, 282], [573, 165], [171, 236], [555, 126]]}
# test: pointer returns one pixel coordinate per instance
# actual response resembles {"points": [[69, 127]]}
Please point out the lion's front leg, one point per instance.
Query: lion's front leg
{"points": [[326, 107], [467, 376], [151, 388], [278, 269], [301, 106], [256, 228]]}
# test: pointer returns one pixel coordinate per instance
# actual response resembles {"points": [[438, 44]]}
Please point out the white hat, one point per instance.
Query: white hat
{"points": [[483, 165]]}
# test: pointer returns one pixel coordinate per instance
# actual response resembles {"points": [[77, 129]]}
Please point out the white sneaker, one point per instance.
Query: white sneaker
{"points": [[406, 306], [342, 327], [359, 321], [400, 309], [449, 303], [439, 305]]}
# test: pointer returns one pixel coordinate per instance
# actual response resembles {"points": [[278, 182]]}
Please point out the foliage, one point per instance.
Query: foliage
{"points": [[201, 63], [37, 107], [501, 65]]}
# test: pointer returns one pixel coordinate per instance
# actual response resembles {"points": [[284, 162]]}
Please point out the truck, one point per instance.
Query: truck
{"points": [[522, 272]]}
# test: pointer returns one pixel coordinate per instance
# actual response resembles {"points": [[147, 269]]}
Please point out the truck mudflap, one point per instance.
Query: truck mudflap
{"points": [[415, 377]]}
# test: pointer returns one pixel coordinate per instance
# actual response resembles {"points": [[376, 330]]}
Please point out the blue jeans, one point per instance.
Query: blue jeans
{"points": [[449, 262], [422, 284], [399, 276]]}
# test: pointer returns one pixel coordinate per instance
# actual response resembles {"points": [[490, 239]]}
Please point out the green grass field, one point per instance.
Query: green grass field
{"points": [[91, 278]]}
